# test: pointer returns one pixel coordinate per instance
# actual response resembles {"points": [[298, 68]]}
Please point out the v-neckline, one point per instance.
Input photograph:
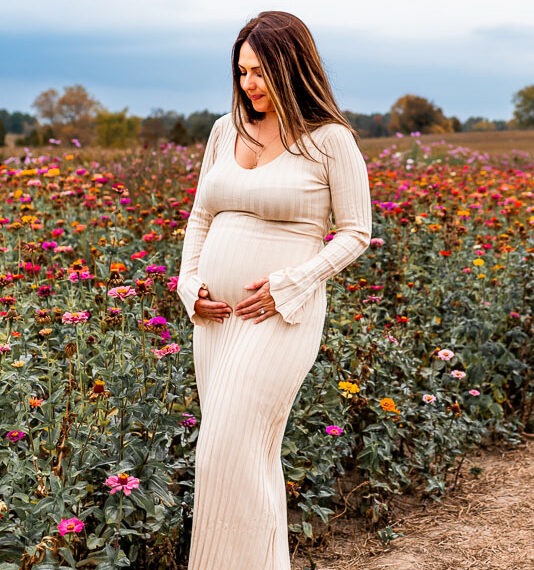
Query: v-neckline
{"points": [[236, 138]]}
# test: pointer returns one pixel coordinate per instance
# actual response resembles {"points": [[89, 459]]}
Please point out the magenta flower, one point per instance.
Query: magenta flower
{"points": [[70, 525], [172, 283], [474, 392], [515, 315], [157, 321], [188, 421], [15, 435], [122, 482], [156, 269], [429, 398], [445, 354], [49, 245], [377, 242], [334, 430], [75, 318], [122, 293], [5, 348], [167, 349]]}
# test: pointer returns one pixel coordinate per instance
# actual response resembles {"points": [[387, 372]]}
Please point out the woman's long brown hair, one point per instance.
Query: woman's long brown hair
{"points": [[293, 74]]}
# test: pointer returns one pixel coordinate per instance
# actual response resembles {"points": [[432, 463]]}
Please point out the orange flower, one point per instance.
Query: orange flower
{"points": [[117, 266], [388, 405], [35, 402]]}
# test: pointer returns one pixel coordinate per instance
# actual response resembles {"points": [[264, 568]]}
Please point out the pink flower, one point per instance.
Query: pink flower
{"points": [[15, 435], [334, 430], [122, 482], [167, 349], [458, 374], [5, 348], [377, 242], [75, 318], [70, 525], [188, 421], [474, 392], [172, 283], [429, 398], [445, 354], [515, 315], [122, 293]]}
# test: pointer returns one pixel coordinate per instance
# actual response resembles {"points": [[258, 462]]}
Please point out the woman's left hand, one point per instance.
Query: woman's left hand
{"points": [[260, 305]]}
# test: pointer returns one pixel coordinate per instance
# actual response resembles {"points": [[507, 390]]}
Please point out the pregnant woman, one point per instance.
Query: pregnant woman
{"points": [[254, 267]]}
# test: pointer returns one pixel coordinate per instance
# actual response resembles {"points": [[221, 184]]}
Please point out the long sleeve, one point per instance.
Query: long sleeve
{"points": [[348, 181], [198, 225]]}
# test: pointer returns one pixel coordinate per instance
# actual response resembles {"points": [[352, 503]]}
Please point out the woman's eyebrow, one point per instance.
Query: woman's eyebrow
{"points": [[253, 68]]}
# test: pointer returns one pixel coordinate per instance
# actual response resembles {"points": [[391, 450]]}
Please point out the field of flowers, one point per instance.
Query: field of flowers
{"points": [[426, 352]]}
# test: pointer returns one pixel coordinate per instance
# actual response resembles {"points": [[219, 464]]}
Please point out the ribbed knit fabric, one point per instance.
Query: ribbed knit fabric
{"points": [[245, 225]]}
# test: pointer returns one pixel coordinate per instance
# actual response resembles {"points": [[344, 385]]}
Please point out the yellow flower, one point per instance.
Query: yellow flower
{"points": [[463, 213], [18, 364], [478, 262], [481, 276], [52, 172], [348, 388]]}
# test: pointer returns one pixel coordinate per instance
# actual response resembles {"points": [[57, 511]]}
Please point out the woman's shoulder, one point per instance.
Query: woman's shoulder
{"points": [[224, 122], [333, 132]]}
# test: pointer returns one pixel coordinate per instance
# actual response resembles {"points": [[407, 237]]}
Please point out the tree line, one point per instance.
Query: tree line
{"points": [[75, 117]]}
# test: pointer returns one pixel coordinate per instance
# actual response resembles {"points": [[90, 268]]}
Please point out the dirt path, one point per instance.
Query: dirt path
{"points": [[487, 524]]}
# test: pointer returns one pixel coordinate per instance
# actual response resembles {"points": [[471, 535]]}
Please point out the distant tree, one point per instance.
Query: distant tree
{"points": [[484, 125], [199, 125], [2, 134], [524, 107], [153, 130], [374, 125], [46, 106], [116, 130], [179, 134], [411, 114], [38, 136], [456, 124], [17, 123], [71, 115]]}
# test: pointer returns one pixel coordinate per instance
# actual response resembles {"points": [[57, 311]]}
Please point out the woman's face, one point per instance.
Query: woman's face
{"points": [[252, 81]]}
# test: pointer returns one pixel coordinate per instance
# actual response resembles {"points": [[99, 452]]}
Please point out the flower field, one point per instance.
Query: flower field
{"points": [[427, 351]]}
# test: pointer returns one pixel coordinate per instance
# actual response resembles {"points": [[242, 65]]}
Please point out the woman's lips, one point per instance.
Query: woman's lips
{"points": [[255, 97]]}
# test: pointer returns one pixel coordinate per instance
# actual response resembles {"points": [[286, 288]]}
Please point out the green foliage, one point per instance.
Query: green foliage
{"points": [[116, 130], [524, 107], [453, 272]]}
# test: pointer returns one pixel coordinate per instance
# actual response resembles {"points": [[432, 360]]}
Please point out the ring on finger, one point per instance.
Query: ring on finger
{"points": [[262, 311]]}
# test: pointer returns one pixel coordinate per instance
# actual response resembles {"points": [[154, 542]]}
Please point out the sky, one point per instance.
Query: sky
{"points": [[468, 57]]}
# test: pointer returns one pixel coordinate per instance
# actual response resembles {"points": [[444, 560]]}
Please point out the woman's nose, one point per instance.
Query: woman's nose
{"points": [[248, 81]]}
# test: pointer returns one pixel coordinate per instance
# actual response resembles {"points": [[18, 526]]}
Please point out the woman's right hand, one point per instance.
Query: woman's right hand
{"points": [[212, 310]]}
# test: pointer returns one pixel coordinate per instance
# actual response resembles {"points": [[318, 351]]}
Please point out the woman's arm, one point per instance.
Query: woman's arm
{"points": [[198, 225], [351, 205]]}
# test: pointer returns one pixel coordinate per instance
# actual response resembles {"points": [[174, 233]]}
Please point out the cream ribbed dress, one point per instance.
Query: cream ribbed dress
{"points": [[245, 225]]}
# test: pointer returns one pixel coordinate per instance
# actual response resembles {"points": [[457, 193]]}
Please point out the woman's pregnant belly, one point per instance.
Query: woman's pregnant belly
{"points": [[241, 248]]}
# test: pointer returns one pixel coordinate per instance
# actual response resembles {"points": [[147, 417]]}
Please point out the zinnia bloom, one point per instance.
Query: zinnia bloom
{"points": [[75, 318], [429, 398], [188, 421], [167, 349], [70, 525], [474, 392], [445, 354], [388, 405], [122, 482], [15, 435], [334, 430], [122, 292], [458, 374]]}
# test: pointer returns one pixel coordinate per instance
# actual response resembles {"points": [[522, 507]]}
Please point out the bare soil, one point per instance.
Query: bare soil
{"points": [[486, 523]]}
